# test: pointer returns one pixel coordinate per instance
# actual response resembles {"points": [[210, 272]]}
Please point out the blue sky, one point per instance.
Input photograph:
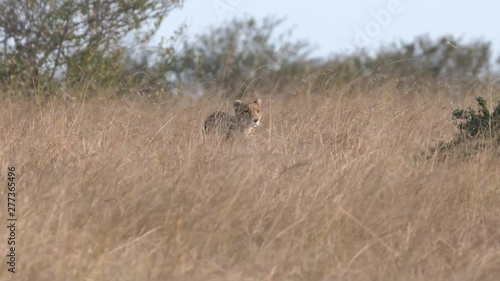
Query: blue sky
{"points": [[339, 26]]}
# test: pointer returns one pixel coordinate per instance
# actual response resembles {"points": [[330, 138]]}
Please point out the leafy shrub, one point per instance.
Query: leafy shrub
{"points": [[239, 52], [46, 41], [473, 124], [478, 130]]}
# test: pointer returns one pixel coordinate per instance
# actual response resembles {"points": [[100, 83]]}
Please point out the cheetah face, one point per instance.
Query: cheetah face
{"points": [[248, 113]]}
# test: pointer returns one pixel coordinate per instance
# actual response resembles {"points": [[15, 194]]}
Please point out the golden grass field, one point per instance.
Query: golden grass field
{"points": [[331, 187]]}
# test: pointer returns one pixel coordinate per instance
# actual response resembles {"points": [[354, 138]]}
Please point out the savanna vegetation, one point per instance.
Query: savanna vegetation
{"points": [[367, 166]]}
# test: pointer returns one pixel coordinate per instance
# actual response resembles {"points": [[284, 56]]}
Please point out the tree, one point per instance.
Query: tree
{"points": [[445, 58], [43, 39], [234, 54]]}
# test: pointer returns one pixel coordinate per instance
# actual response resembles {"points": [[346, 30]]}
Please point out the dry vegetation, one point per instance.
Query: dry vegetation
{"points": [[330, 188]]}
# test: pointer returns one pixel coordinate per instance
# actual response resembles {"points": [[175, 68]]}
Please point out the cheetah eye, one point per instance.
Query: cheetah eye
{"points": [[248, 110], [258, 111]]}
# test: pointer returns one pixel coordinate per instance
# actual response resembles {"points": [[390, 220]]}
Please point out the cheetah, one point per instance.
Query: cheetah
{"points": [[247, 117]]}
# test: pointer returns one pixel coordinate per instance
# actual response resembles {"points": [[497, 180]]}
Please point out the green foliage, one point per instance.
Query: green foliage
{"points": [[444, 58], [46, 44], [49, 40], [147, 69], [423, 61], [479, 129], [242, 52], [96, 69], [474, 123], [249, 53]]}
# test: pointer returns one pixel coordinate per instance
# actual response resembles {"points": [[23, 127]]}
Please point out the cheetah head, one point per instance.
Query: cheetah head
{"points": [[248, 113]]}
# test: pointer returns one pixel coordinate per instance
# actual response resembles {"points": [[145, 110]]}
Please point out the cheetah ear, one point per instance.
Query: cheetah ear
{"points": [[237, 104], [258, 102]]}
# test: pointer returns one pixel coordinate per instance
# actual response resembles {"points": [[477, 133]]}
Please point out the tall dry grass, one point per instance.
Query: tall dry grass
{"points": [[329, 188]]}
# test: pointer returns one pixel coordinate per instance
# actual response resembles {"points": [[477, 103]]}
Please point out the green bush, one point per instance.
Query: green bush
{"points": [[72, 41], [478, 123], [479, 130]]}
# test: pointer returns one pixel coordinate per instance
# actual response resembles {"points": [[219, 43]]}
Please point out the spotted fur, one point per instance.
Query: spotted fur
{"points": [[247, 117]]}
